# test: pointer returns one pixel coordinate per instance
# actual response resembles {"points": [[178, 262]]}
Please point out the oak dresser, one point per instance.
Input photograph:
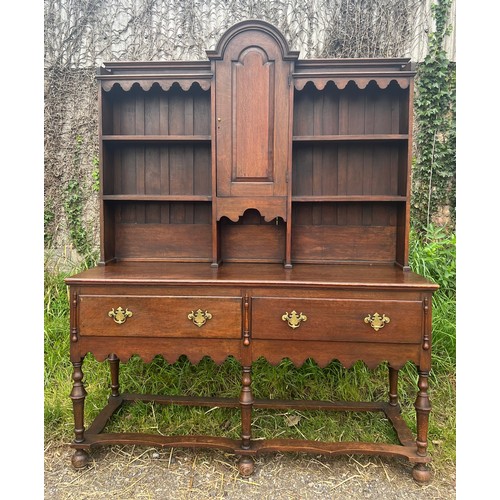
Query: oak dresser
{"points": [[255, 205]]}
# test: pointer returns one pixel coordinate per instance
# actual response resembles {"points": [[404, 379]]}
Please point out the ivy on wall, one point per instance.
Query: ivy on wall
{"points": [[434, 169], [71, 216], [73, 206]]}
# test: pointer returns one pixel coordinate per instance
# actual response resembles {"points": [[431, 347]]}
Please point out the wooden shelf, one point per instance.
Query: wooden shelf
{"points": [[361, 137], [157, 138], [349, 198], [155, 197]]}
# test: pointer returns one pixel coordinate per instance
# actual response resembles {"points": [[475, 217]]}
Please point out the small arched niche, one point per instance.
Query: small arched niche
{"points": [[252, 238]]}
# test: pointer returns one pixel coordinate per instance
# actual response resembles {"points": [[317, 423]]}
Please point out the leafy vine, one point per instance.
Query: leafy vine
{"points": [[74, 201], [433, 197]]}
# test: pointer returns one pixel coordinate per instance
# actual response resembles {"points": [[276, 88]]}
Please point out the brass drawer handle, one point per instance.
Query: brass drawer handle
{"points": [[293, 319], [120, 316], [199, 317], [376, 321]]}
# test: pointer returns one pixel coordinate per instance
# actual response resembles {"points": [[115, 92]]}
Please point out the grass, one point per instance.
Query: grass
{"points": [[432, 256]]}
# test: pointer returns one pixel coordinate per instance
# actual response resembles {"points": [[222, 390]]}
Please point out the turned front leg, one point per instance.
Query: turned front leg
{"points": [[78, 394], [114, 367], [245, 463], [421, 472], [246, 402], [423, 408], [393, 386]]}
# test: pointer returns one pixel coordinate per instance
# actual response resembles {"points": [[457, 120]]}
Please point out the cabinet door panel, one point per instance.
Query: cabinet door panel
{"points": [[252, 105]]}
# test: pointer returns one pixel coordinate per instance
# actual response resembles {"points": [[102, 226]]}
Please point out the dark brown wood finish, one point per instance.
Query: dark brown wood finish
{"points": [[254, 205], [253, 116]]}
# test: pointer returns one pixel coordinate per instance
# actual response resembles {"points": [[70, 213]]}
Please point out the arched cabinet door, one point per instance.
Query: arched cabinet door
{"points": [[253, 68]]}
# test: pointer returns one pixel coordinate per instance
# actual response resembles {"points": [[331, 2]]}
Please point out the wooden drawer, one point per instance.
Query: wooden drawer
{"points": [[337, 319], [160, 316]]}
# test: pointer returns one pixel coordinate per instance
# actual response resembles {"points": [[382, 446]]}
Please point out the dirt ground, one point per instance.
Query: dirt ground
{"points": [[127, 472]]}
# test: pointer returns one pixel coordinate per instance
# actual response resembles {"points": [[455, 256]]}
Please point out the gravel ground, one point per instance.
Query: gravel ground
{"points": [[126, 472]]}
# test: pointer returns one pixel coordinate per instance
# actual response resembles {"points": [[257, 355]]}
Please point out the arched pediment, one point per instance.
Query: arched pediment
{"points": [[250, 26]]}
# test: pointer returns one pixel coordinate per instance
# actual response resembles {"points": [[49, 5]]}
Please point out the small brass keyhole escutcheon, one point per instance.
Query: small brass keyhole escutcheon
{"points": [[376, 321], [199, 317], [294, 319], [120, 316]]}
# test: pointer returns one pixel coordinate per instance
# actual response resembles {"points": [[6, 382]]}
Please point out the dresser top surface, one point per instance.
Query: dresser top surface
{"points": [[248, 274]]}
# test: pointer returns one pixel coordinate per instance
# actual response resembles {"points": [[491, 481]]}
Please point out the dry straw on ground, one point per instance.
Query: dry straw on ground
{"points": [[126, 472]]}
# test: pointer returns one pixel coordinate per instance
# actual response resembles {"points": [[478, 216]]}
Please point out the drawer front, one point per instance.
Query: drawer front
{"points": [[160, 316], [349, 320]]}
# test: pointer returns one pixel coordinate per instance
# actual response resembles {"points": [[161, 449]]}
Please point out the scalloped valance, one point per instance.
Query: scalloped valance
{"points": [[164, 83], [342, 82], [298, 359], [299, 83]]}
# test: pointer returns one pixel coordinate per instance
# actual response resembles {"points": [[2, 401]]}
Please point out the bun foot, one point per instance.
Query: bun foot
{"points": [[80, 459], [421, 474], [245, 466]]}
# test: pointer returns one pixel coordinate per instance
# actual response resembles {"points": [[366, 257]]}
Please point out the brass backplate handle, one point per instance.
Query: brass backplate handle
{"points": [[199, 317], [376, 321], [294, 319], [120, 316]]}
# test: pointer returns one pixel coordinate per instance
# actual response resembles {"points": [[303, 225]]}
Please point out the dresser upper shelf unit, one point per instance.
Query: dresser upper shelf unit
{"points": [[256, 154]]}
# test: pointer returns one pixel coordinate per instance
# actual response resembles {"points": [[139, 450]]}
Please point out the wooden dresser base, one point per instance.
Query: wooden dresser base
{"points": [[252, 312], [408, 447]]}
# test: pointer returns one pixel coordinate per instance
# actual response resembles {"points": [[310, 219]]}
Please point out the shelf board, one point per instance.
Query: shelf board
{"points": [[349, 198], [303, 199], [359, 137], [156, 197], [157, 138]]}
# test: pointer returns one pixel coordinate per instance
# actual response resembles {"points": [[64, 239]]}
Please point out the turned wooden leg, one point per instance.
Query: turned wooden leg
{"points": [[393, 386], [421, 473], [114, 367], [245, 464], [246, 402], [78, 394]]}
